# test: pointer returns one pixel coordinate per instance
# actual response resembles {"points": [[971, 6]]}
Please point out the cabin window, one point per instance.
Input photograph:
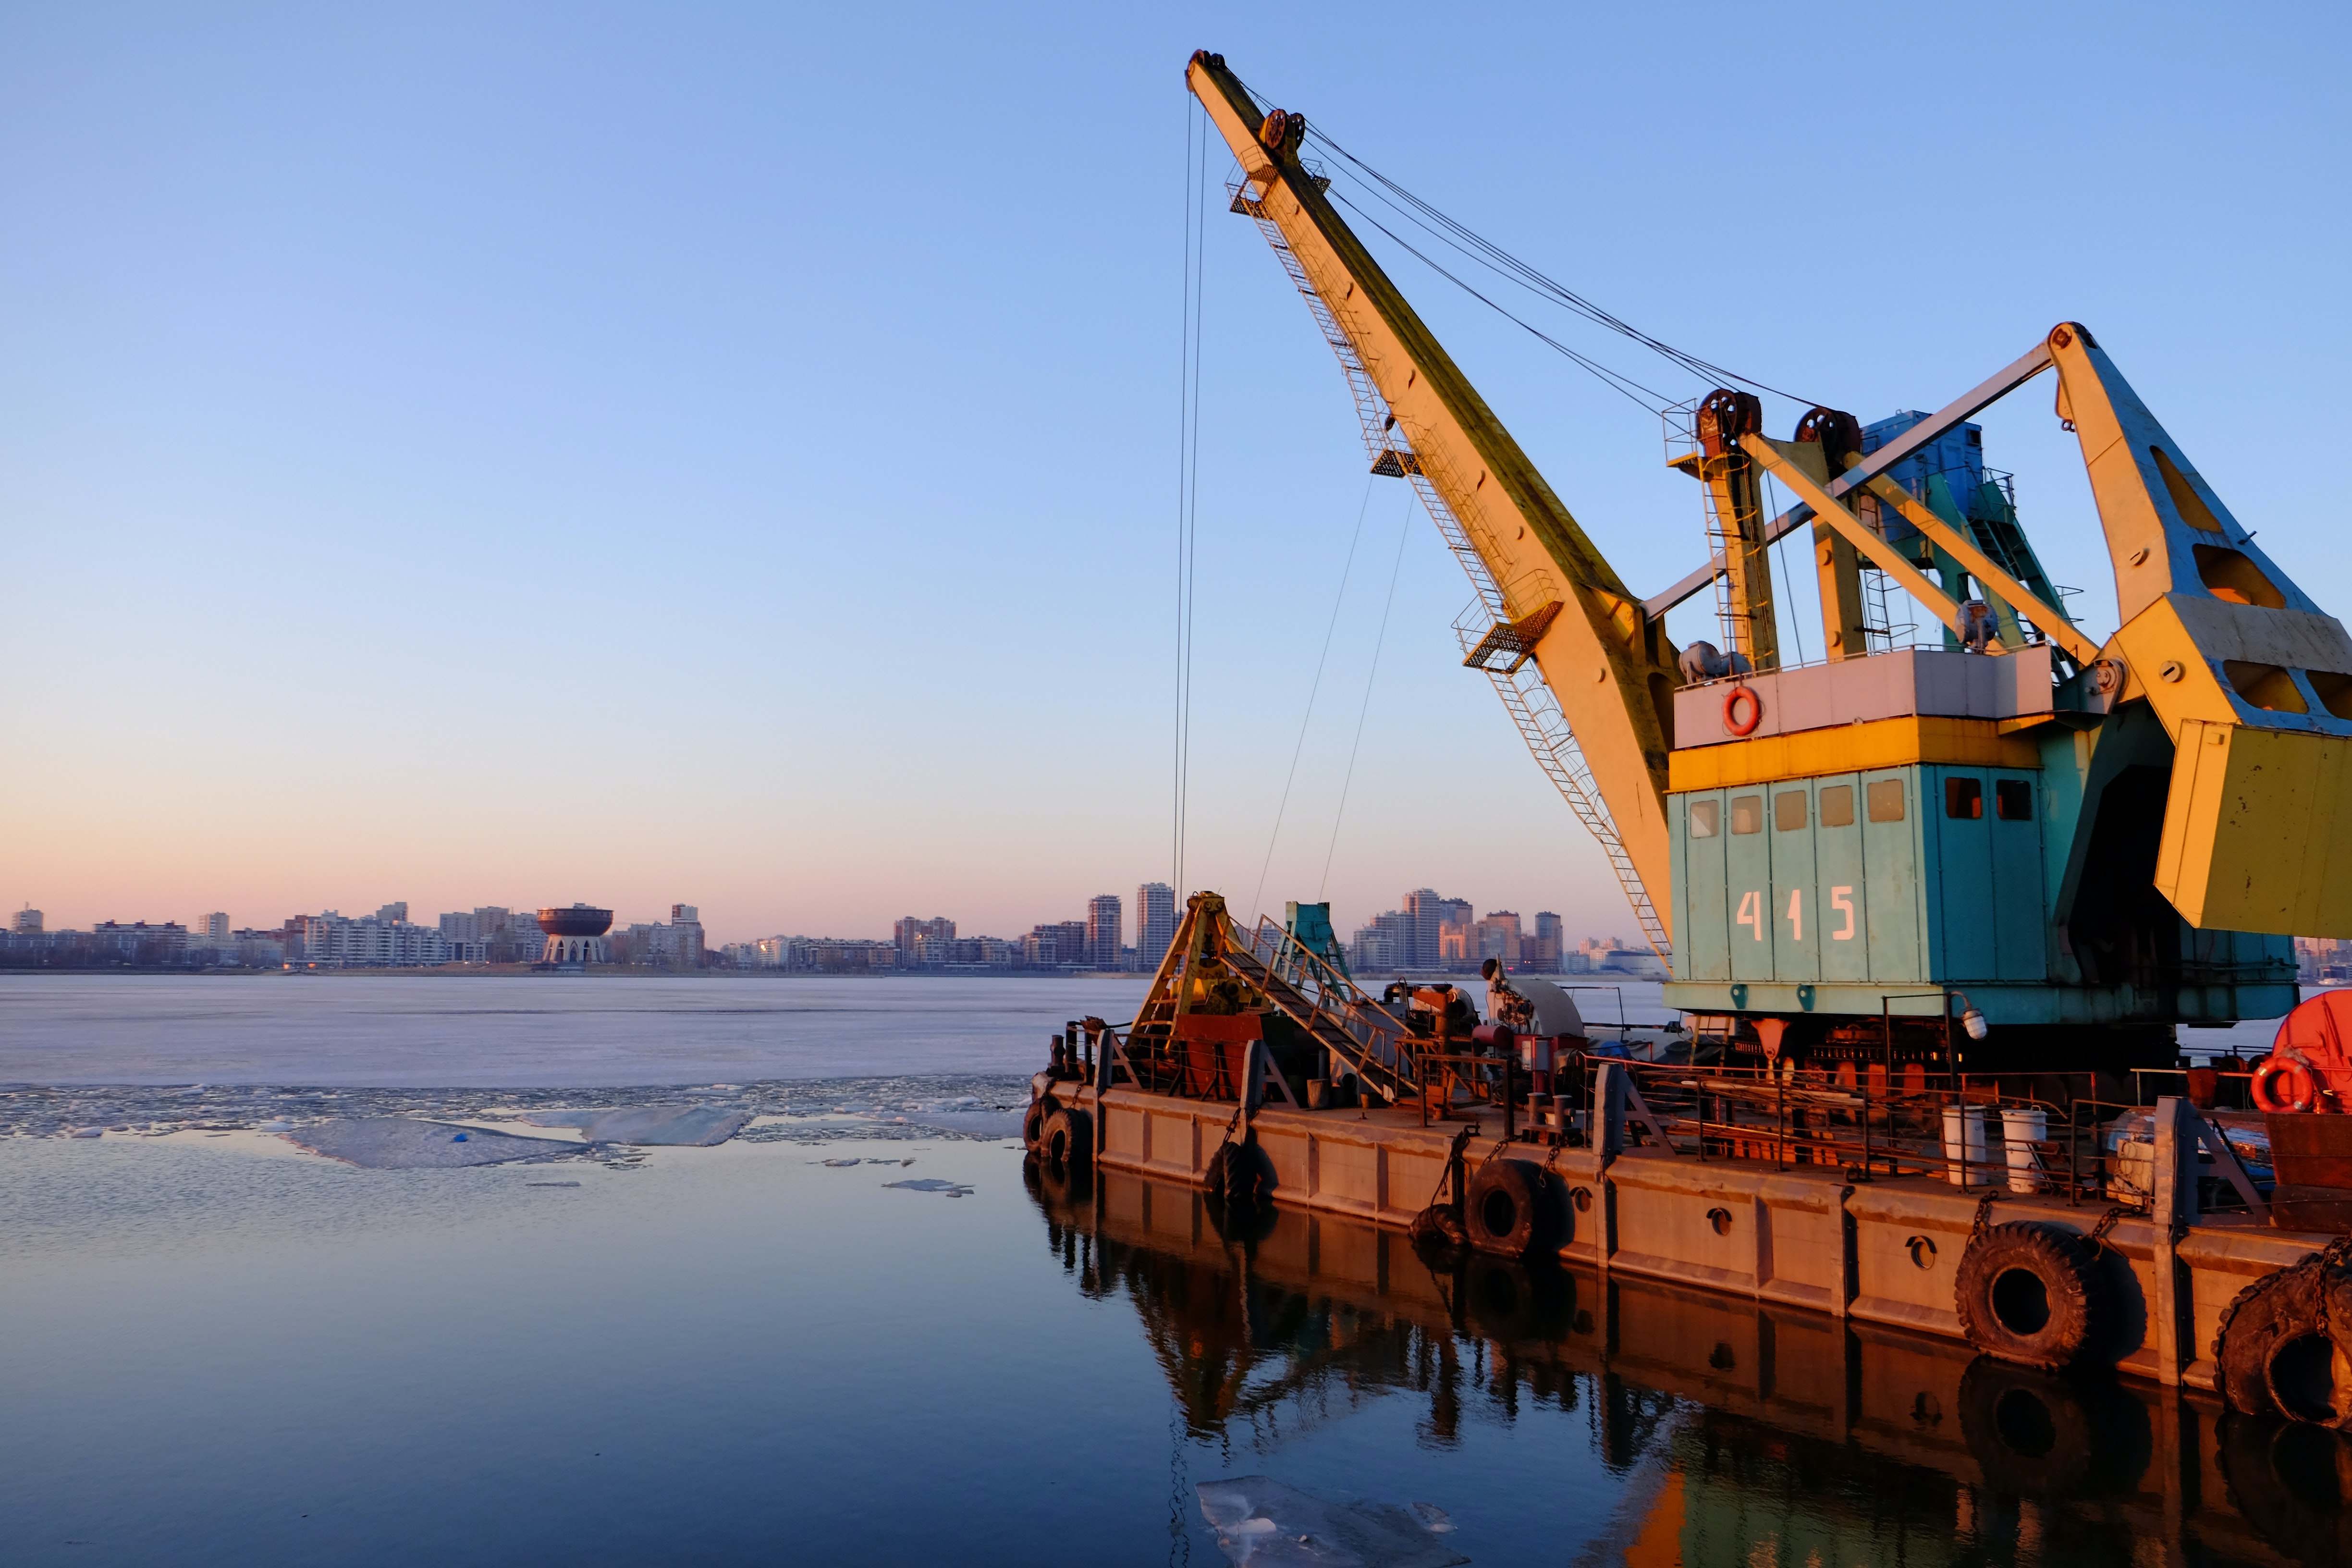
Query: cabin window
{"points": [[1964, 799], [1837, 805], [1788, 810], [2012, 800], [1747, 814], [1706, 819], [1886, 800]]}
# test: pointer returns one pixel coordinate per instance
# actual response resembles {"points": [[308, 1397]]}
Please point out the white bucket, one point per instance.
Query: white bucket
{"points": [[1965, 1169], [2020, 1129]]}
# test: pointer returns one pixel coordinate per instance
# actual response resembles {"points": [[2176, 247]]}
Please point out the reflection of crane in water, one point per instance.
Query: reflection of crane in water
{"points": [[1727, 1421]]}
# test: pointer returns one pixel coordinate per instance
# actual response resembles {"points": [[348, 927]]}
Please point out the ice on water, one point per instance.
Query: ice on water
{"points": [[979, 1106], [404, 1144], [695, 1127], [1268, 1524]]}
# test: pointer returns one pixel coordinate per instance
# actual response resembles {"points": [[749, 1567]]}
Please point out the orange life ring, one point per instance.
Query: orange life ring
{"points": [[1755, 710], [2298, 1092]]}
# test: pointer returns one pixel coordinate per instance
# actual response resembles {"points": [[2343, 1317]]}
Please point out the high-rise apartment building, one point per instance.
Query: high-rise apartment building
{"points": [[917, 939], [212, 929], [1540, 950], [1428, 913], [27, 921], [1498, 938], [370, 943], [1105, 930], [1155, 923], [393, 912]]}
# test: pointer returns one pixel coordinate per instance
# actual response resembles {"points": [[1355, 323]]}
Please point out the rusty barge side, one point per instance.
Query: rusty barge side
{"points": [[1880, 1251]]}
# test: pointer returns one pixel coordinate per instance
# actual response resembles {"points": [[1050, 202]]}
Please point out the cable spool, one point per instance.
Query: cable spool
{"points": [[1731, 705]]}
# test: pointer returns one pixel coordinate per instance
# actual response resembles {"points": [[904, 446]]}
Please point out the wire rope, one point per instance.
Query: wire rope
{"points": [[1494, 258], [1788, 579], [1363, 506], [1188, 468], [1616, 381], [1370, 676]]}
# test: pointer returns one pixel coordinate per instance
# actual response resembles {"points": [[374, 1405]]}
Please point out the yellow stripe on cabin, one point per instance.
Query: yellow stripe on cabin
{"points": [[1850, 748]]}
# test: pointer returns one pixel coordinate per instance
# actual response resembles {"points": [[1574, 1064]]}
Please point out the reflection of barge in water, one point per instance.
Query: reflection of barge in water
{"points": [[1280, 1313], [2035, 1240]]}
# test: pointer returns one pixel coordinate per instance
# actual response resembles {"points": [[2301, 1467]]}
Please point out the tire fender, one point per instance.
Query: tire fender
{"points": [[1238, 1174], [1509, 1211], [2032, 1294], [1066, 1138], [2281, 1340]]}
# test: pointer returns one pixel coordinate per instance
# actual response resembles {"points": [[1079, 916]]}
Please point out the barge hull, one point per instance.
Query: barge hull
{"points": [[1883, 1252]]}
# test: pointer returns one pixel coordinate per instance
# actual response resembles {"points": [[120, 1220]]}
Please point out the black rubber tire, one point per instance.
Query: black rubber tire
{"points": [[1510, 1212], [1066, 1139], [2270, 1354], [1438, 1228], [2032, 1294], [2038, 1434], [1033, 1124], [1240, 1176]]}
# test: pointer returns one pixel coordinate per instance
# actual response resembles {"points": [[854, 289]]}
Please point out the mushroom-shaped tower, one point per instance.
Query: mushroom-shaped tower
{"points": [[575, 936]]}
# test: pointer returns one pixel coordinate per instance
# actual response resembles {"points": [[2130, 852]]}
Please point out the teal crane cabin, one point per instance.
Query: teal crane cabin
{"points": [[1913, 831]]}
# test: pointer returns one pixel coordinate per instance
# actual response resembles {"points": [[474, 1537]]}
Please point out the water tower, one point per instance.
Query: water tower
{"points": [[576, 937]]}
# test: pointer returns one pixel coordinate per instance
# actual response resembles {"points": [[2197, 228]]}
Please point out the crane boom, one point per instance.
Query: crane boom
{"points": [[1603, 709]]}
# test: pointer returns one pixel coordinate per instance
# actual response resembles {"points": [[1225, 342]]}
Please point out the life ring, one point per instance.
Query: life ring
{"points": [[1063, 1139], [2032, 1294], [2279, 1341], [2282, 1083], [1509, 1212], [1731, 702]]}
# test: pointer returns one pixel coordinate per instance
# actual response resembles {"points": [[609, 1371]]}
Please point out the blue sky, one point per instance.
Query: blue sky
{"points": [[508, 454]]}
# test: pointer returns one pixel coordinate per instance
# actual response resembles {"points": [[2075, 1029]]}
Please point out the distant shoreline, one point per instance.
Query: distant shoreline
{"points": [[630, 972], [527, 972]]}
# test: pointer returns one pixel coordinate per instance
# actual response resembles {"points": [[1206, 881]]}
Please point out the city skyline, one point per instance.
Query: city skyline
{"points": [[1114, 932]]}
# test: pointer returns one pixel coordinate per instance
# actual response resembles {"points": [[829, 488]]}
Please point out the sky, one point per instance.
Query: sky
{"points": [[514, 455]]}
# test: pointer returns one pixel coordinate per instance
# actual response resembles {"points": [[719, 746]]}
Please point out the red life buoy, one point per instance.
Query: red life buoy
{"points": [[2282, 1084], [1731, 705]]}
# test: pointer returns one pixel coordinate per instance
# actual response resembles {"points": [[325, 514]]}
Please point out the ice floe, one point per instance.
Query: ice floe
{"points": [[405, 1144], [694, 1127], [933, 1185], [1261, 1521]]}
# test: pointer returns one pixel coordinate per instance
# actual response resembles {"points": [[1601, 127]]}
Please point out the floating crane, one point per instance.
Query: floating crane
{"points": [[2082, 842]]}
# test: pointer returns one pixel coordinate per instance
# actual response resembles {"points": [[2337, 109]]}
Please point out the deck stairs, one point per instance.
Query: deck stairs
{"points": [[1335, 1012]]}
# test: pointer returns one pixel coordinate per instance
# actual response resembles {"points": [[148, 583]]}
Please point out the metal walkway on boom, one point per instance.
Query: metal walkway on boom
{"points": [[1531, 703]]}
